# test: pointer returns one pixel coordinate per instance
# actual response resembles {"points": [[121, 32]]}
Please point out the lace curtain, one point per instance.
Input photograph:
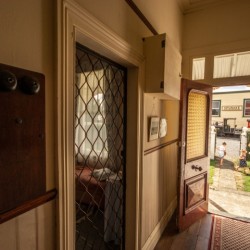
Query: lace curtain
{"points": [[99, 119]]}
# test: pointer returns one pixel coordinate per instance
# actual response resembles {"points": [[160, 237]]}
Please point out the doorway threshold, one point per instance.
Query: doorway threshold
{"points": [[228, 215]]}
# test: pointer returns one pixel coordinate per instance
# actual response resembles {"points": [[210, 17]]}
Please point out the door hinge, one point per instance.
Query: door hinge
{"points": [[182, 144]]}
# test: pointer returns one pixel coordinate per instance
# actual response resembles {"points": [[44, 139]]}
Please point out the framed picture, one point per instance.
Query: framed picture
{"points": [[154, 128], [163, 127]]}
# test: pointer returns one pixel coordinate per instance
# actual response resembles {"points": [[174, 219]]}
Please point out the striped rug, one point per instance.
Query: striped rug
{"points": [[230, 234]]}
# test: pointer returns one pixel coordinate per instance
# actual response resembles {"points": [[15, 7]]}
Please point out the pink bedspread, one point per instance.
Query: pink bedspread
{"points": [[88, 189]]}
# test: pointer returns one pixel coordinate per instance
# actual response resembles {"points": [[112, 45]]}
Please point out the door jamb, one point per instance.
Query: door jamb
{"points": [[76, 24]]}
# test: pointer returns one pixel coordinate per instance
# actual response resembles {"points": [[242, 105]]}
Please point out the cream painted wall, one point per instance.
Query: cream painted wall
{"points": [[118, 16], [168, 109], [27, 41], [230, 99], [165, 16], [216, 30], [220, 24]]}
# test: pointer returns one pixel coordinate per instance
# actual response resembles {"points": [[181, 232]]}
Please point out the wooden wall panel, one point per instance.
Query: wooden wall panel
{"points": [[34, 230], [159, 187]]}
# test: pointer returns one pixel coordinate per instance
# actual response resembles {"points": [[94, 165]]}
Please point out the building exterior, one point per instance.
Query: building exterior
{"points": [[231, 102], [37, 35]]}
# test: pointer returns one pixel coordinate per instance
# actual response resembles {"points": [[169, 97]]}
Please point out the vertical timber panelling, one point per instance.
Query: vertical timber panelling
{"points": [[159, 187], [46, 230], [26, 231], [150, 194], [8, 235], [30, 231]]}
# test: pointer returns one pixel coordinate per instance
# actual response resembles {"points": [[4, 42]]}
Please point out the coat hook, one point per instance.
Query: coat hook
{"points": [[30, 85], [8, 81]]}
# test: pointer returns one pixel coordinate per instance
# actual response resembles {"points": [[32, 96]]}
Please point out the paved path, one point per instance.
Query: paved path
{"points": [[224, 197]]}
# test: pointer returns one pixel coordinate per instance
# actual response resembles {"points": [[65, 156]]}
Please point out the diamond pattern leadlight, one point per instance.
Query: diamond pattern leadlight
{"points": [[99, 151]]}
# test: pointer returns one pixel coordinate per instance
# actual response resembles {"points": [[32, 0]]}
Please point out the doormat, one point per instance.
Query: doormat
{"points": [[230, 234]]}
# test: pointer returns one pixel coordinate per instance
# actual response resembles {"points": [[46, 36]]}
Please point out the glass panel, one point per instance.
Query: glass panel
{"points": [[223, 66], [243, 64], [198, 70], [215, 108], [99, 152], [247, 108], [196, 125], [232, 65], [215, 112], [216, 104]]}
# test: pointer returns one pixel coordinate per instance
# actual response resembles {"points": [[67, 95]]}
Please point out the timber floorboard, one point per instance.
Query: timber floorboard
{"points": [[196, 237]]}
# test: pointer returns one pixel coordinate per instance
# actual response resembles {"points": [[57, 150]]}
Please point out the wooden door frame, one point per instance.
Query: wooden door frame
{"points": [[76, 24]]}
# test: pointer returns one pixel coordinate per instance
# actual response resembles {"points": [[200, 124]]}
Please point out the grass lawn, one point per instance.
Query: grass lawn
{"points": [[246, 183], [211, 172], [243, 181], [246, 180]]}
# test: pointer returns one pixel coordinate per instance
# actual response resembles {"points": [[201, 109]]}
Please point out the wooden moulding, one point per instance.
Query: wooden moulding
{"points": [[141, 16], [48, 196], [151, 150]]}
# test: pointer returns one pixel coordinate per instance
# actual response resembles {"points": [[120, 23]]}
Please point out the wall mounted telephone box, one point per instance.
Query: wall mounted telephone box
{"points": [[22, 137]]}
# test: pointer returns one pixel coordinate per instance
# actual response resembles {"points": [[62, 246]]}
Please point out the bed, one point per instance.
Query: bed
{"points": [[89, 190]]}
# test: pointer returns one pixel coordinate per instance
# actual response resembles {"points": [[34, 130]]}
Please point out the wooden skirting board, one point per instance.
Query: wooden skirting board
{"points": [[157, 232]]}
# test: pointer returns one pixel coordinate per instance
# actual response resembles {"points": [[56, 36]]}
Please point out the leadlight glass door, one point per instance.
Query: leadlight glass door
{"points": [[195, 116], [100, 111]]}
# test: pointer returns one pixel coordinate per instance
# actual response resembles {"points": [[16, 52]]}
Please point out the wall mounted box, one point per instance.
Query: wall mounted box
{"points": [[162, 67], [22, 138]]}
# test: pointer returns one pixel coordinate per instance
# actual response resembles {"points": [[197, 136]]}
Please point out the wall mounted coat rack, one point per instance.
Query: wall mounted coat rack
{"points": [[22, 136]]}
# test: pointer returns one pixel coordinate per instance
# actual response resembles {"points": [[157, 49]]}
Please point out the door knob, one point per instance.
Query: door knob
{"points": [[195, 167]]}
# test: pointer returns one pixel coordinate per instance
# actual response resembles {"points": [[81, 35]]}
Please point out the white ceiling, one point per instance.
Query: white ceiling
{"points": [[195, 5]]}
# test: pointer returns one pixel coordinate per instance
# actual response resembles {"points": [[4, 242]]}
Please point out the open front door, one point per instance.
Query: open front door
{"points": [[195, 113]]}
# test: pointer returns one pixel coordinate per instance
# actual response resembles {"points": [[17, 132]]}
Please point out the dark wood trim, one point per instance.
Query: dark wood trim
{"points": [[151, 150], [50, 195], [141, 16]]}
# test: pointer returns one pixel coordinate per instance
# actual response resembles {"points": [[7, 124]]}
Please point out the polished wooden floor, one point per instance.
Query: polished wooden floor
{"points": [[194, 238]]}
